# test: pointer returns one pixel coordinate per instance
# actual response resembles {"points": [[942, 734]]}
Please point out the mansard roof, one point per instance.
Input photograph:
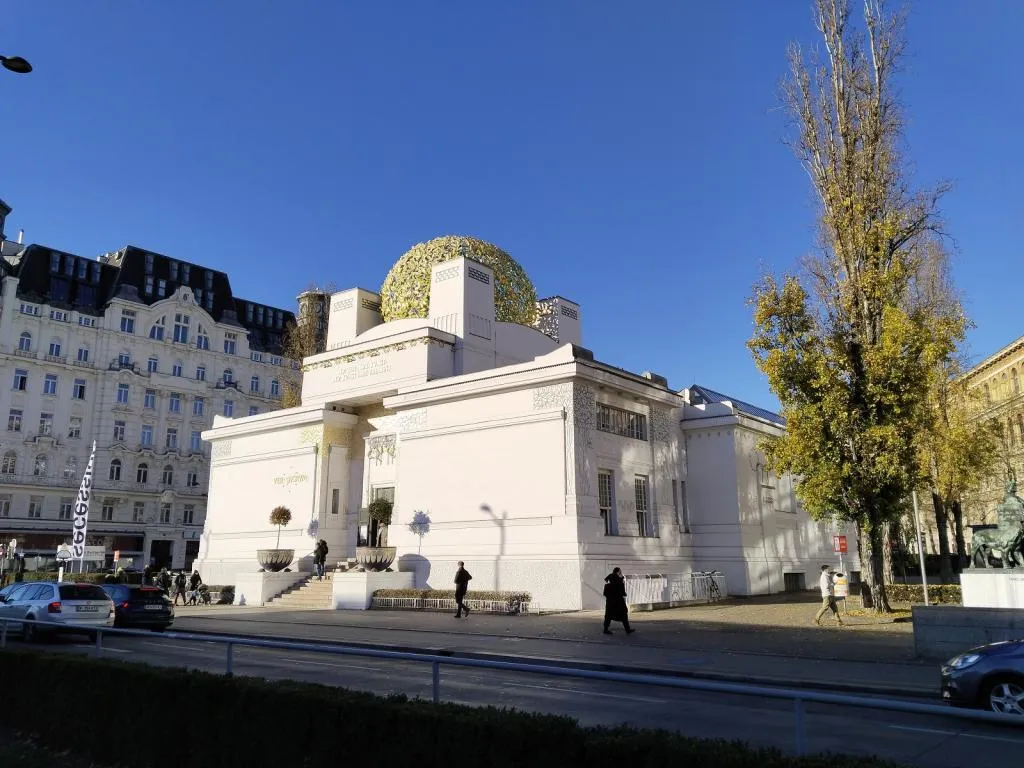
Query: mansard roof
{"points": [[707, 395]]}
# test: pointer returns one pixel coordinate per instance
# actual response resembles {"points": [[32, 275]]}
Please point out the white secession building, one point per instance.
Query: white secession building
{"points": [[503, 444]]}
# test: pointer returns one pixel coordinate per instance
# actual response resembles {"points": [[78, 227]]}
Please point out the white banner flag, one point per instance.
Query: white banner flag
{"points": [[81, 511]]}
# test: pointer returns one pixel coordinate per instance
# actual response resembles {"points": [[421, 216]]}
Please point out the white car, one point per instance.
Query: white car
{"points": [[63, 607]]}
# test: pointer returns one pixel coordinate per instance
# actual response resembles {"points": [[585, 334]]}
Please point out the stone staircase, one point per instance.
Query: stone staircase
{"points": [[307, 595]]}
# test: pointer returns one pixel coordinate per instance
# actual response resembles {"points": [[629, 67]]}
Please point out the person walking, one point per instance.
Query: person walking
{"points": [[615, 601], [193, 583], [320, 559], [828, 596], [180, 586], [462, 579]]}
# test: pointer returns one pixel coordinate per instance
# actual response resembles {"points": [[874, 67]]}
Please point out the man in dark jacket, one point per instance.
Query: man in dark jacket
{"points": [[180, 587], [615, 601], [462, 579]]}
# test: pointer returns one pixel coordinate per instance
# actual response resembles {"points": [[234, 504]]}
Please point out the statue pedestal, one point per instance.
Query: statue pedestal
{"points": [[993, 588]]}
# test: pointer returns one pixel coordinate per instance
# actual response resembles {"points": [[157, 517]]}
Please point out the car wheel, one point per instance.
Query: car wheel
{"points": [[1005, 695]]}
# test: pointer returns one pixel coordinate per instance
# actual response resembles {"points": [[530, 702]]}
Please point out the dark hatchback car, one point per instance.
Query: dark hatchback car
{"points": [[143, 607], [988, 677]]}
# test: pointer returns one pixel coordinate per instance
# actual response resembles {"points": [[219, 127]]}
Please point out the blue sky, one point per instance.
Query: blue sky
{"points": [[630, 156]]}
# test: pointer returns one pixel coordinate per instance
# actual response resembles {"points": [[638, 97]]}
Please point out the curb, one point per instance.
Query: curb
{"points": [[724, 677]]}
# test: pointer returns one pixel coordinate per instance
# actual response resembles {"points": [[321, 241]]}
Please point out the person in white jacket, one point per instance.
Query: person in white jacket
{"points": [[828, 596]]}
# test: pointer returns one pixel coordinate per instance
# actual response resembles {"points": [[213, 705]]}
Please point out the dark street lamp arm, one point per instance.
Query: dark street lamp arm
{"points": [[15, 64]]}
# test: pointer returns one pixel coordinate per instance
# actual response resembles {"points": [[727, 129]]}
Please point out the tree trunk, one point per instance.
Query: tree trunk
{"points": [[963, 556], [942, 530], [872, 555]]}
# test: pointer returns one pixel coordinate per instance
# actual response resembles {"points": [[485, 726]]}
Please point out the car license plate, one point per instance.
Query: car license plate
{"points": [[87, 609], [154, 607]]}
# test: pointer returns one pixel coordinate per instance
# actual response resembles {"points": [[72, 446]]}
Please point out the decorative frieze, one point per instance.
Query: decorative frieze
{"points": [[375, 352], [662, 424], [221, 449], [407, 421], [380, 445], [555, 396]]}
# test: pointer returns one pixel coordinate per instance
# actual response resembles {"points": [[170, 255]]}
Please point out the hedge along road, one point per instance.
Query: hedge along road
{"points": [[908, 739]]}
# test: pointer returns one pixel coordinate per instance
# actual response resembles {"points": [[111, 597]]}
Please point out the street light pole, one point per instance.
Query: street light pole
{"points": [[920, 549], [15, 64]]}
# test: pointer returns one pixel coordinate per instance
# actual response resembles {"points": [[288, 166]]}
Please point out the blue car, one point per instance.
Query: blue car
{"points": [[988, 677], [141, 607]]}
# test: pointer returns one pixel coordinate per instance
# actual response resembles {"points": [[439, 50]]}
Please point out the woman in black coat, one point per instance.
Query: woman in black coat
{"points": [[615, 601]]}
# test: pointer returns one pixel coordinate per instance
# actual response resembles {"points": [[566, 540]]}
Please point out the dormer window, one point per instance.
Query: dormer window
{"points": [[161, 288], [185, 269], [149, 263], [83, 265], [173, 269], [148, 288]]}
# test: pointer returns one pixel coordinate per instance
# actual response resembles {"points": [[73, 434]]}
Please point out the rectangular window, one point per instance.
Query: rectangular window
{"points": [[86, 322], [254, 384], [59, 315], [684, 510], [192, 479], [188, 514], [229, 408], [172, 269], [165, 513], [119, 431], [107, 512], [75, 428], [20, 379], [275, 388], [50, 384], [149, 263], [176, 369], [643, 519], [152, 364], [606, 501], [172, 438], [149, 399], [201, 373], [124, 360], [197, 406], [335, 501], [35, 507], [253, 410], [146, 435], [5, 506], [29, 309], [185, 270], [82, 265], [127, 321], [45, 423], [161, 288], [622, 423], [122, 394], [174, 403], [181, 323], [157, 331], [202, 340], [229, 343], [139, 512], [65, 509], [54, 349], [14, 420], [78, 390], [54, 261], [195, 442], [83, 354], [149, 286]]}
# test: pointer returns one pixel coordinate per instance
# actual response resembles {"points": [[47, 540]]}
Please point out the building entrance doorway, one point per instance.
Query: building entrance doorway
{"points": [[160, 551]]}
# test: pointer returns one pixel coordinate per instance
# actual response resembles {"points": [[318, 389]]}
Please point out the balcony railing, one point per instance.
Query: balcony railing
{"points": [[25, 353], [42, 480], [57, 359], [83, 363]]}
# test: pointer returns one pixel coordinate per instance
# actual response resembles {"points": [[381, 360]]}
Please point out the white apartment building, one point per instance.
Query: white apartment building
{"points": [[137, 351]]}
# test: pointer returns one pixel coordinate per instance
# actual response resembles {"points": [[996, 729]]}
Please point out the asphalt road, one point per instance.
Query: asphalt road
{"points": [[908, 739]]}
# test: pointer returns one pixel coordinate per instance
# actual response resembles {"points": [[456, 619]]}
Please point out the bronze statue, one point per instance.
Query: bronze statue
{"points": [[1007, 537]]}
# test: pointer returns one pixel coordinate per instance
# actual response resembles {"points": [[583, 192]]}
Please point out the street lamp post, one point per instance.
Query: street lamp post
{"points": [[15, 64]]}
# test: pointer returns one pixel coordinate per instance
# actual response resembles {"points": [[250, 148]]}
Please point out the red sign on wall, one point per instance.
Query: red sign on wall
{"points": [[839, 544]]}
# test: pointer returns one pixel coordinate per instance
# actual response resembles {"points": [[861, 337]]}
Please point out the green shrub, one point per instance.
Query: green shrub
{"points": [[940, 594], [442, 594], [317, 719]]}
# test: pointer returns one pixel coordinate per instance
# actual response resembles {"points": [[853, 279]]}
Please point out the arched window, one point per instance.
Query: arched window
{"points": [[168, 477], [142, 473], [1016, 381], [71, 468], [158, 329], [39, 469], [25, 342], [115, 469], [229, 375], [10, 463]]}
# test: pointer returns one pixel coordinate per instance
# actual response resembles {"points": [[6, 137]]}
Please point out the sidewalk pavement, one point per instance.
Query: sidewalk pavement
{"points": [[759, 641]]}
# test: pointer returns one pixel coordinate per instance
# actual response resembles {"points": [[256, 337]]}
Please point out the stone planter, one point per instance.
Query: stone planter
{"points": [[376, 558], [275, 559]]}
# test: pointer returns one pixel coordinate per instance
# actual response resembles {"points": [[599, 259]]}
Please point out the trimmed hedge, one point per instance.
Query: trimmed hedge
{"points": [[250, 721], [449, 594], [83, 578], [941, 594]]}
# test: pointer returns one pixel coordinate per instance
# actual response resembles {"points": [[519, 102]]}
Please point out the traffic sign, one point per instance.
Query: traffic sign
{"points": [[839, 544]]}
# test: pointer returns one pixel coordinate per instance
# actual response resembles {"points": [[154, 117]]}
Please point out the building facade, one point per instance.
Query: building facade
{"points": [[135, 351], [999, 379], [504, 443]]}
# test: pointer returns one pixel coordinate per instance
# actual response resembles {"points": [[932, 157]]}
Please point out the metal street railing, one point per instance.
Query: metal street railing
{"points": [[799, 698]]}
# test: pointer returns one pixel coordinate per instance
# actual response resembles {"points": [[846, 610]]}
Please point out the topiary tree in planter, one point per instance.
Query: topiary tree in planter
{"points": [[280, 516], [380, 515]]}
